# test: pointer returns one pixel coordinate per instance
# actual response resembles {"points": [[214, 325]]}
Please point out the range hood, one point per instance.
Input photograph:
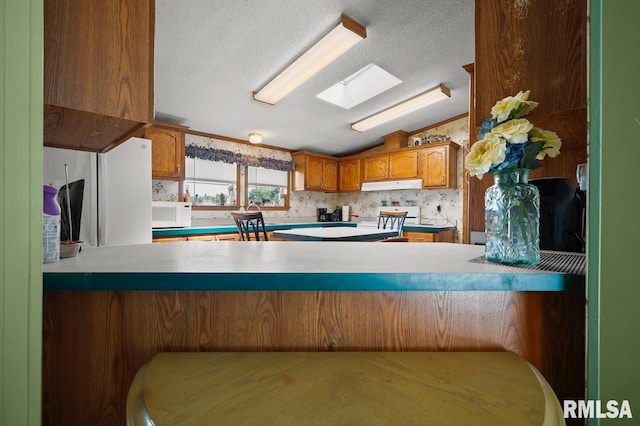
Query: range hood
{"points": [[391, 185]]}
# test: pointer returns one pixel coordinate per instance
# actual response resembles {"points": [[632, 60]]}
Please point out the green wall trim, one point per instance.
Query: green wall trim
{"points": [[593, 201], [21, 89], [619, 229]]}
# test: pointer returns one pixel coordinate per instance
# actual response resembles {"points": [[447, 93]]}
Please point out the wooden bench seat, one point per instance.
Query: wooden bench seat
{"points": [[333, 388]]}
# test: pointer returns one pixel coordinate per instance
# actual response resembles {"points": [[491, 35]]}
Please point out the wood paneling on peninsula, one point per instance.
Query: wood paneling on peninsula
{"points": [[95, 341], [537, 45], [97, 60]]}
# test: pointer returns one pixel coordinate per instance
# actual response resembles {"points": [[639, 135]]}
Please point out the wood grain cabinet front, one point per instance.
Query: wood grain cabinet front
{"points": [[430, 237], [349, 175], [439, 166], [98, 72], [167, 152], [403, 165], [397, 165], [314, 172], [375, 168]]}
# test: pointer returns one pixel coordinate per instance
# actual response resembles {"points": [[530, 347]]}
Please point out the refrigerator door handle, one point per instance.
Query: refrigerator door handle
{"points": [[102, 200]]}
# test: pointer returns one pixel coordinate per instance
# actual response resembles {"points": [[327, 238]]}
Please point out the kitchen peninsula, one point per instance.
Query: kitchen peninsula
{"points": [[109, 310]]}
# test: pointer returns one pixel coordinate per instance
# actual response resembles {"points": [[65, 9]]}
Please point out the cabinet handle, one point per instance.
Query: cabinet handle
{"points": [[443, 179]]}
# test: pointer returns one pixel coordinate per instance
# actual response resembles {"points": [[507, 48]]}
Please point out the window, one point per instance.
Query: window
{"points": [[212, 184], [267, 188]]}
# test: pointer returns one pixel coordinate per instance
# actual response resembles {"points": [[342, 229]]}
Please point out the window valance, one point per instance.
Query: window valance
{"points": [[230, 157]]}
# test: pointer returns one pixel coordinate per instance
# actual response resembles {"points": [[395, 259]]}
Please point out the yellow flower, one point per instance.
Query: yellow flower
{"points": [[484, 153], [514, 131], [552, 142], [503, 108]]}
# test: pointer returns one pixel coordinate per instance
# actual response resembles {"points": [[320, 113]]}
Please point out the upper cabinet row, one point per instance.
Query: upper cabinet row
{"points": [[436, 164], [98, 72]]}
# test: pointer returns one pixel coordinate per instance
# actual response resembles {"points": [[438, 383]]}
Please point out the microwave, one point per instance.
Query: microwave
{"points": [[170, 214]]}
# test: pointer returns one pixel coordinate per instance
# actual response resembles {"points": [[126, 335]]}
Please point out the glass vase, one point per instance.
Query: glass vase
{"points": [[512, 217]]}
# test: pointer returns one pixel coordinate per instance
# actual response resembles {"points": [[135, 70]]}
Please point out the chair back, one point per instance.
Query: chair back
{"points": [[392, 220], [250, 223]]}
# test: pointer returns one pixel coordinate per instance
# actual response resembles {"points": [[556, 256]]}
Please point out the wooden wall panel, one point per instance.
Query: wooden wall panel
{"points": [[537, 45], [94, 342]]}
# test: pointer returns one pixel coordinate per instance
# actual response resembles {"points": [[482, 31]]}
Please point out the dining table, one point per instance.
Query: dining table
{"points": [[335, 234]]}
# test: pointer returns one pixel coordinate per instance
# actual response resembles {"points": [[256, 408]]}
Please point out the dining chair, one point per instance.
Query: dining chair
{"points": [[392, 220], [249, 223]]}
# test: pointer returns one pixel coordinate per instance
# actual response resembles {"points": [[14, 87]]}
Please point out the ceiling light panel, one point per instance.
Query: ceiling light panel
{"points": [[362, 85], [326, 50], [410, 105]]}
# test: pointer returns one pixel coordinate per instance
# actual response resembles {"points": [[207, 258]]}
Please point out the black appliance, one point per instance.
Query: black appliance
{"points": [[76, 193], [562, 215], [324, 216]]}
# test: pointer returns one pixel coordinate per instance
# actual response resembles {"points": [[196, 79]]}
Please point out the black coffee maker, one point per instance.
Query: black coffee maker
{"points": [[322, 215], [562, 213]]}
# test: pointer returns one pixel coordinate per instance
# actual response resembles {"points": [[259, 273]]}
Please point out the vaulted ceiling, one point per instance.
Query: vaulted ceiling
{"points": [[210, 56]]}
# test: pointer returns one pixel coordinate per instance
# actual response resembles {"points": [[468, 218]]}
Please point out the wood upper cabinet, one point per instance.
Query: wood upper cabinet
{"points": [[349, 175], [375, 168], [314, 172], [167, 151], [397, 165], [98, 72], [403, 165], [439, 166]]}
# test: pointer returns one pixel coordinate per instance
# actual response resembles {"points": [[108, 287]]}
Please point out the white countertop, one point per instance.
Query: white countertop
{"points": [[280, 256]]}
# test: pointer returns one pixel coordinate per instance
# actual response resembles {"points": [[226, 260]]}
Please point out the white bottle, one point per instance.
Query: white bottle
{"points": [[50, 225]]}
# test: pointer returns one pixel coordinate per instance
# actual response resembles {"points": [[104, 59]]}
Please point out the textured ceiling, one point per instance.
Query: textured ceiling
{"points": [[211, 55]]}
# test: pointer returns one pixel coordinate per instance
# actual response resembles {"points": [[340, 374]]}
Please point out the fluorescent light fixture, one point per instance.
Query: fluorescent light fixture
{"points": [[326, 50], [405, 107], [360, 86], [255, 137]]}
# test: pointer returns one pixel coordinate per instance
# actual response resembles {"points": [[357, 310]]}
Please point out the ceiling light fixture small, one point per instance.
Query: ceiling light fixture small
{"points": [[410, 105], [337, 41], [255, 137]]}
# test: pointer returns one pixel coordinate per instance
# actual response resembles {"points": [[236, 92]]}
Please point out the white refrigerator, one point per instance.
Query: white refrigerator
{"points": [[116, 206]]}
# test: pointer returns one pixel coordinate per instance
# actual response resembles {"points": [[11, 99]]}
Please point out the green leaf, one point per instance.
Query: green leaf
{"points": [[515, 112], [528, 160]]}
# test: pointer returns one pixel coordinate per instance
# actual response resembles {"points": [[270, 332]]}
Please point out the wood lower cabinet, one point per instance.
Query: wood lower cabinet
{"points": [[167, 151], [314, 172], [98, 72], [349, 175], [439, 166], [430, 237]]}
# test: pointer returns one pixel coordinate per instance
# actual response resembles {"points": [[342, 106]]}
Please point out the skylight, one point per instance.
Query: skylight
{"points": [[370, 81]]}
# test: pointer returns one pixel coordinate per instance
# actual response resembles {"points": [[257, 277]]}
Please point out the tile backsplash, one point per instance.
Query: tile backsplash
{"points": [[303, 204]]}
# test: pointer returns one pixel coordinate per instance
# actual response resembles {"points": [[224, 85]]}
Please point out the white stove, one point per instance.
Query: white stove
{"points": [[413, 215]]}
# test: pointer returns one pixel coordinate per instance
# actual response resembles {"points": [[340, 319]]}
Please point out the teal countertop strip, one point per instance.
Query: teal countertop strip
{"points": [[257, 281], [225, 229]]}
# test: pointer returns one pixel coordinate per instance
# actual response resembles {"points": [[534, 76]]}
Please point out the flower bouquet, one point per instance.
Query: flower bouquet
{"points": [[509, 147]]}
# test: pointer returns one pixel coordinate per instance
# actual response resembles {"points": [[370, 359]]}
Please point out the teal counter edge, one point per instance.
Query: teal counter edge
{"points": [[301, 281], [225, 229]]}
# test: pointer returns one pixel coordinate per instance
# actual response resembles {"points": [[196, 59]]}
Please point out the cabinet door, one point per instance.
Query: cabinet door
{"points": [[403, 165], [349, 175], [314, 177], [439, 167], [167, 148], [329, 175], [376, 168]]}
